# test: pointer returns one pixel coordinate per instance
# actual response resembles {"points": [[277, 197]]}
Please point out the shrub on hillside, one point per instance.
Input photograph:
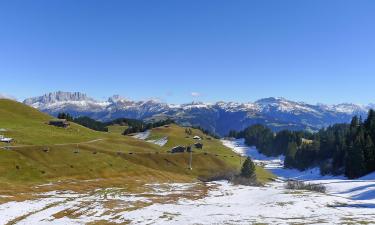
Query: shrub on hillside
{"points": [[300, 185], [239, 180], [247, 176]]}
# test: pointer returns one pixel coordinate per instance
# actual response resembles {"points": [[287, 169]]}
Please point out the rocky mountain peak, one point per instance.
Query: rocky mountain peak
{"points": [[58, 96], [117, 98]]}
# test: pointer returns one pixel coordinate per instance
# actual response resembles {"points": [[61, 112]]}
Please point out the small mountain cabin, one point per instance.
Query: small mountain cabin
{"points": [[5, 139], [198, 145], [307, 141], [59, 123], [178, 149]]}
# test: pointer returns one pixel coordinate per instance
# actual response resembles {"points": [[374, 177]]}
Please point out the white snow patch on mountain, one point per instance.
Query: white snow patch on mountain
{"points": [[142, 135], [161, 142]]}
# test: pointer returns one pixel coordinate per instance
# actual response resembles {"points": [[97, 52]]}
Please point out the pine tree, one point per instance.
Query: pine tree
{"points": [[248, 168], [354, 125], [355, 161], [65, 116], [290, 155], [370, 124], [369, 154], [61, 116]]}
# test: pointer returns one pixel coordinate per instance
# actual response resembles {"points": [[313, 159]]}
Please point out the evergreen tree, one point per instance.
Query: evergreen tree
{"points": [[370, 124], [369, 154], [355, 161], [233, 134], [338, 160], [290, 155], [280, 144], [354, 125], [248, 168], [306, 155], [65, 116], [91, 123], [261, 137]]}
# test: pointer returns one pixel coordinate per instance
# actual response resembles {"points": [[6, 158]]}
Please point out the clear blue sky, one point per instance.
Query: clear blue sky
{"points": [[311, 50]]}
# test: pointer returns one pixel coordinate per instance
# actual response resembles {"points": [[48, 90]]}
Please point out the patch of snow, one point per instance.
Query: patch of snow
{"points": [[241, 148], [228, 204], [12, 210], [165, 189], [142, 135], [86, 208], [161, 142]]}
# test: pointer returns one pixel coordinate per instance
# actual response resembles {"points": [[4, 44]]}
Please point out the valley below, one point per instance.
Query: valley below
{"points": [[345, 202]]}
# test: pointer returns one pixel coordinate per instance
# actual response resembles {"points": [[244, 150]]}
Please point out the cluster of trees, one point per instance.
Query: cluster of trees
{"points": [[206, 132], [65, 116], [134, 126], [339, 149], [188, 131], [91, 123], [84, 121], [268, 142]]}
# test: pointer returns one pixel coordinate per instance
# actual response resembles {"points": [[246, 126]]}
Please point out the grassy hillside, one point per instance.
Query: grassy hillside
{"points": [[212, 148], [28, 126], [43, 153], [117, 129]]}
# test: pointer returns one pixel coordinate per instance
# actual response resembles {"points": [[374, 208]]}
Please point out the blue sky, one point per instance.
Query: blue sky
{"points": [[185, 50]]}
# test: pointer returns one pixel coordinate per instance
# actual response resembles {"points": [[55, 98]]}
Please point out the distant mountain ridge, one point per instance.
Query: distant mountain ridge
{"points": [[219, 117]]}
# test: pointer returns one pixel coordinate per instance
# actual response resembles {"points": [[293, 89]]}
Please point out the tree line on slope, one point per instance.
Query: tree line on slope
{"points": [[206, 132], [134, 126], [338, 149]]}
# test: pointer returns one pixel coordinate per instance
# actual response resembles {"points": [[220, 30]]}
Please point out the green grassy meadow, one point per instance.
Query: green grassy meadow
{"points": [[42, 153]]}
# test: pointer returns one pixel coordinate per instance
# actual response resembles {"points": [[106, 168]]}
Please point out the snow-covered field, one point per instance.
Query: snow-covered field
{"points": [[359, 189], [346, 202], [228, 204]]}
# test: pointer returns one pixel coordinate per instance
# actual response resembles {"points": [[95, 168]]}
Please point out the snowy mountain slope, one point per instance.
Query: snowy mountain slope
{"points": [[220, 117]]}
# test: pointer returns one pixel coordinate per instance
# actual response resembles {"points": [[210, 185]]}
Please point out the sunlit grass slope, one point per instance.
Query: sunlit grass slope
{"points": [[43, 153], [117, 129], [28, 126]]}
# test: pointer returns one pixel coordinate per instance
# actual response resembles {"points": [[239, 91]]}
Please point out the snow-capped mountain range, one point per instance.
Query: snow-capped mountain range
{"points": [[220, 117]]}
